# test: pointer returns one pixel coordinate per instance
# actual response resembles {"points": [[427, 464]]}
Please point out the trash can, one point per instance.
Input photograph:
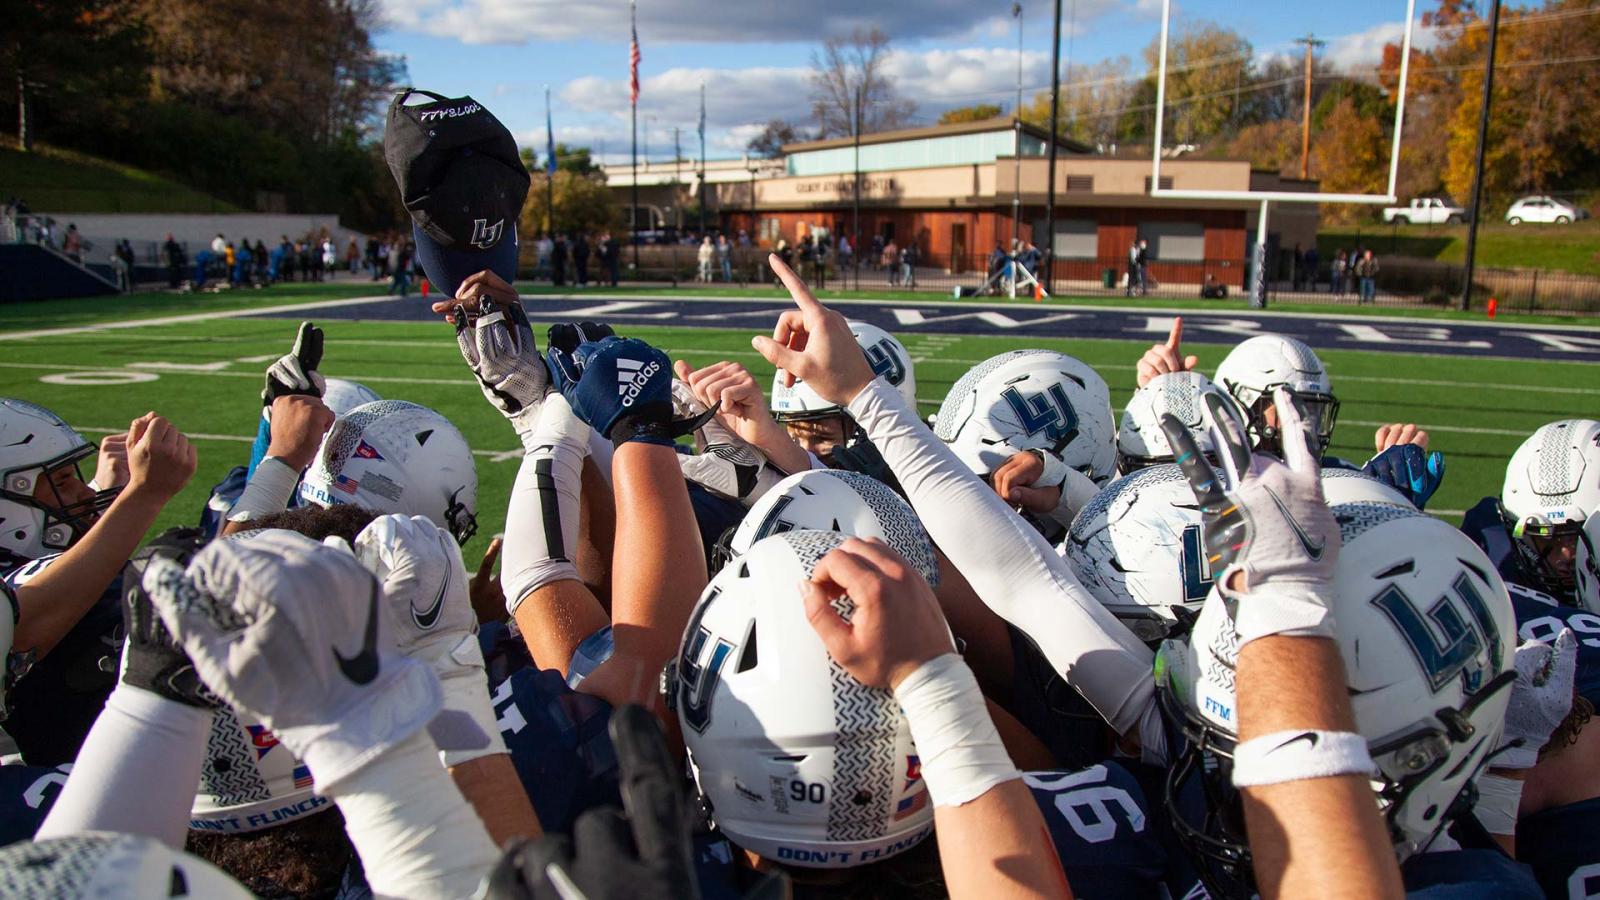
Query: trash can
{"points": [[1108, 278]]}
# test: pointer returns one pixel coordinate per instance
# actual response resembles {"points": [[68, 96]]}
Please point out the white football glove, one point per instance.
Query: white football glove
{"points": [[426, 590], [1540, 698], [499, 347], [292, 632], [296, 372], [1269, 520]]}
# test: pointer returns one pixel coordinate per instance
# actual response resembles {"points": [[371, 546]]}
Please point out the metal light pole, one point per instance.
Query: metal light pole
{"points": [[1477, 165], [1016, 186], [1050, 177], [855, 213]]}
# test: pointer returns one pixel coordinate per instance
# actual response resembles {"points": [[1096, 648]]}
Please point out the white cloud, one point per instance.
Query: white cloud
{"points": [[1358, 53]]}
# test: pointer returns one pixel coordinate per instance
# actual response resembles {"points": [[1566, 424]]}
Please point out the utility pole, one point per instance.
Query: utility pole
{"points": [[1050, 177], [1016, 187], [1311, 44], [855, 212], [677, 208], [1477, 166]]}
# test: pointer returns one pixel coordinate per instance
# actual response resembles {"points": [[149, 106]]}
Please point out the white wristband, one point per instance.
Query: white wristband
{"points": [[1498, 801], [268, 492], [1298, 755], [961, 754]]}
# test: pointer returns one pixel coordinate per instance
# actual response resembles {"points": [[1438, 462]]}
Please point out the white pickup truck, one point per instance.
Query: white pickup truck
{"points": [[1424, 211]]}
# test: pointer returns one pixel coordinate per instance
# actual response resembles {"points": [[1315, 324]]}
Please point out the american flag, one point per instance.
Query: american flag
{"points": [[633, 59]]}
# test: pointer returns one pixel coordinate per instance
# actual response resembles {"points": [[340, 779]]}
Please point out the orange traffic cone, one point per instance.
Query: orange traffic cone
{"points": [[424, 288], [1493, 306], [1038, 292]]}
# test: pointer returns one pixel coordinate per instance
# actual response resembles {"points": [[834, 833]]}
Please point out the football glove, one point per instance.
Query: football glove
{"points": [[153, 660], [296, 371], [1268, 521], [293, 632], [499, 348], [1541, 697], [1408, 469]]}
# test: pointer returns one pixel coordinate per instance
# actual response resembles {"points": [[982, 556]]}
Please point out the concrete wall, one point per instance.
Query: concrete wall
{"points": [[196, 229]]}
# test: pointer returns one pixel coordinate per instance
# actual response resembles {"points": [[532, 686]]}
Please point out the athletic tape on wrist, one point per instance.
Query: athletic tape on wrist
{"points": [[270, 487], [1055, 471], [1298, 755], [959, 748], [1498, 800]]}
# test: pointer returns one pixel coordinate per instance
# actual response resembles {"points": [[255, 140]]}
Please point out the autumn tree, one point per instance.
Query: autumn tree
{"points": [[1206, 66], [582, 203], [1094, 102], [978, 112], [1349, 156], [769, 143], [846, 65]]}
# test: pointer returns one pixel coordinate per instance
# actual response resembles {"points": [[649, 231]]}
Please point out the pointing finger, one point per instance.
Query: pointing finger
{"points": [[797, 288], [1176, 336]]}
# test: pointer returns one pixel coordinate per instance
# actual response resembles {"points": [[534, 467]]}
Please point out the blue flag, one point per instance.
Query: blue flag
{"points": [[550, 140]]}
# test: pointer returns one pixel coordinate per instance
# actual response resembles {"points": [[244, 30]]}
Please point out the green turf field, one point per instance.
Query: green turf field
{"points": [[206, 376]]}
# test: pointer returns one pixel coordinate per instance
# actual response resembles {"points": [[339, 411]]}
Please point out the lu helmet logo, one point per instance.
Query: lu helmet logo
{"points": [[632, 376]]}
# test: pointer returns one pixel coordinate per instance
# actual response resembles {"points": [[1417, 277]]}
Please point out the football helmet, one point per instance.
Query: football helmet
{"points": [[1137, 548], [1254, 368], [889, 361], [35, 442], [250, 781], [1030, 400], [1587, 564], [342, 395], [1140, 440], [1425, 628], [397, 457], [850, 503], [796, 760], [1552, 485], [1354, 486], [111, 865]]}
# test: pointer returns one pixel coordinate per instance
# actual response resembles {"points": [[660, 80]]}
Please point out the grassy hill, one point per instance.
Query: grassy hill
{"points": [[1566, 248], [54, 180]]}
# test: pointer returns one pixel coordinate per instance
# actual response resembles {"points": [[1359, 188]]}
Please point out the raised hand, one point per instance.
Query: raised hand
{"points": [[1409, 469], [479, 291], [298, 423], [160, 459], [741, 405], [814, 344], [1540, 698], [1267, 531], [111, 466], [1167, 357], [293, 632], [621, 387], [1398, 433], [498, 344], [296, 371]]}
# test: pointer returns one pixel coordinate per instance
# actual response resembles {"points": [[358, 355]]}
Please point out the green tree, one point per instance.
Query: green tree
{"points": [[1206, 64], [70, 63], [769, 143], [582, 203], [979, 112]]}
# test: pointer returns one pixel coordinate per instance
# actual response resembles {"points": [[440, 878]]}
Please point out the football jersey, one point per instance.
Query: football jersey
{"points": [[1468, 875], [56, 702], [1103, 830], [1540, 618], [559, 745], [1483, 524], [1562, 846], [26, 795]]}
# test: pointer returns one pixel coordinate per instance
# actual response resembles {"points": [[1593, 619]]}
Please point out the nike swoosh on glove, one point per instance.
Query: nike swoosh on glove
{"points": [[293, 632], [1541, 697], [425, 590], [500, 349], [296, 371], [1410, 470], [1272, 524]]}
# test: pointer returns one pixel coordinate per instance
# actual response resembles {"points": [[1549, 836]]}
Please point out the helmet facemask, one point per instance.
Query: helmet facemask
{"points": [[1535, 542], [63, 522], [1321, 411]]}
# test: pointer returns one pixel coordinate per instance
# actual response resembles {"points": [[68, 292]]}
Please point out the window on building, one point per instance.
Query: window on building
{"points": [[1083, 183], [1175, 241], [1075, 238], [1166, 183]]}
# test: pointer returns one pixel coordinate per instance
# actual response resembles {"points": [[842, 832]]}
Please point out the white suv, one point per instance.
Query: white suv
{"points": [[1544, 209]]}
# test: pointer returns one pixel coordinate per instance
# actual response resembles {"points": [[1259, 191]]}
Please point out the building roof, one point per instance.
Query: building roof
{"points": [[1002, 123]]}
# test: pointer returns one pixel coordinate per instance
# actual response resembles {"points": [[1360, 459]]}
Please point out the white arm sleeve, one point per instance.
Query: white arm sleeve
{"points": [[269, 490], [542, 515], [137, 772], [414, 832], [1013, 570]]}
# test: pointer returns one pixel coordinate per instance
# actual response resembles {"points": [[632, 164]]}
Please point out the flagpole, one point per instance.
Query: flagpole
{"points": [[703, 158], [633, 212], [549, 170]]}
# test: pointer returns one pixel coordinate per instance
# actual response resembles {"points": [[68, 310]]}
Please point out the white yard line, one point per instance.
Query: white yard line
{"points": [[242, 312]]}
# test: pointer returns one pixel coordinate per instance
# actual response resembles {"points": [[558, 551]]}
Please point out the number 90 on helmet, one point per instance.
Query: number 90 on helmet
{"points": [[1030, 400], [799, 762], [1427, 636]]}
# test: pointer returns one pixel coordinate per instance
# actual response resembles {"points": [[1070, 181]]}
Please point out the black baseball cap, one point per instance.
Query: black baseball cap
{"points": [[463, 182]]}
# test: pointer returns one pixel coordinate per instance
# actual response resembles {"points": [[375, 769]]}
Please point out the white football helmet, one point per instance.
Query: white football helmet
{"points": [[1030, 400], [1140, 440], [798, 761], [1552, 485], [397, 457], [250, 781], [1137, 548], [1352, 486], [1426, 631], [342, 395], [1587, 564], [111, 865], [1254, 368], [889, 360], [33, 443], [850, 503]]}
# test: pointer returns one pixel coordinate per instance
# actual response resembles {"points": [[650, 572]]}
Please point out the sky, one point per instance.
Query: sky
{"points": [[754, 56]]}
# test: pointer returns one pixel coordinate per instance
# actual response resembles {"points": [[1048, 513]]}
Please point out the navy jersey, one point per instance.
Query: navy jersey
{"points": [[1540, 618], [713, 515], [56, 702], [559, 745], [1468, 875], [226, 493], [26, 795], [1102, 829], [1562, 846]]}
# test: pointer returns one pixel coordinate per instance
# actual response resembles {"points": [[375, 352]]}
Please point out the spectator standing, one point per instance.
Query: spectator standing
{"points": [[261, 259], [1133, 268], [401, 282], [372, 257], [383, 262], [219, 246], [558, 261], [330, 256], [785, 253], [228, 257], [542, 248], [72, 243], [173, 251], [610, 257], [908, 265], [1336, 272], [1312, 259], [580, 257], [846, 253], [1144, 267], [744, 238], [890, 260], [243, 264], [704, 257], [352, 256], [725, 257], [808, 257], [119, 269], [1367, 273]]}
